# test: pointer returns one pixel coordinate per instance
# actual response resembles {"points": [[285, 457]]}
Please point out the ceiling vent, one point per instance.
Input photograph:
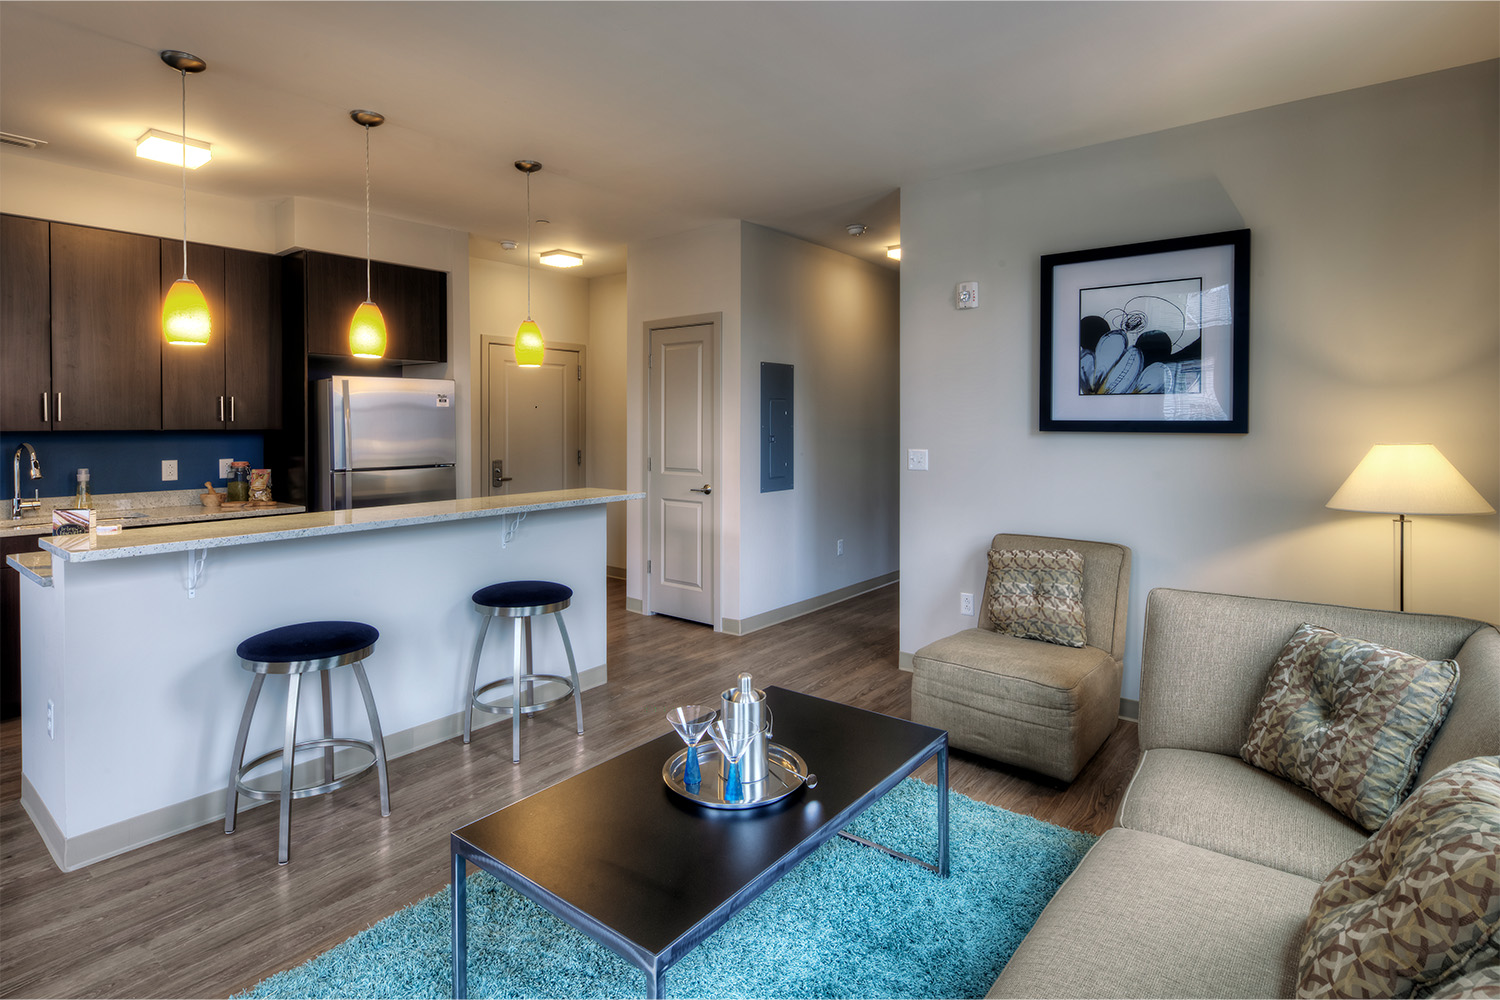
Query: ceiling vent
{"points": [[11, 139]]}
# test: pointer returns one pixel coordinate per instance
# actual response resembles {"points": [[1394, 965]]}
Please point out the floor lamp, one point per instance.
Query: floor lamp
{"points": [[1404, 479]]}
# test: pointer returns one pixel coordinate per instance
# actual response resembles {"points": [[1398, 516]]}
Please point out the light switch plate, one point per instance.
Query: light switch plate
{"points": [[968, 295]]}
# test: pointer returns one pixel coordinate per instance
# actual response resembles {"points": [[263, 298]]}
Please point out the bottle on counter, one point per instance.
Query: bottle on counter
{"points": [[85, 497], [238, 487]]}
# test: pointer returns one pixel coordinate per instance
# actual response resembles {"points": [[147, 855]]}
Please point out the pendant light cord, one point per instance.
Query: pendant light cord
{"points": [[367, 214], [184, 172], [528, 245]]}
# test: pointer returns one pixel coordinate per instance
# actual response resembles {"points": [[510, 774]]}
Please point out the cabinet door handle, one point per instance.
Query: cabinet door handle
{"points": [[231, 409], [221, 409], [59, 407], [46, 417]]}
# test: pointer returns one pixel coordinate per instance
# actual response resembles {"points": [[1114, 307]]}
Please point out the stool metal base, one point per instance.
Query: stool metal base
{"points": [[527, 707], [249, 791], [521, 683]]}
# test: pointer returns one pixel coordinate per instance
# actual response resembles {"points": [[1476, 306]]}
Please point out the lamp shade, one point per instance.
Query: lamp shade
{"points": [[184, 314], [529, 347], [367, 332], [1408, 479]]}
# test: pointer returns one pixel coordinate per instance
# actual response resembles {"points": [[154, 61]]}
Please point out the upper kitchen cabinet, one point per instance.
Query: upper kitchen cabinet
{"points": [[234, 381], [413, 300], [106, 330], [25, 325]]}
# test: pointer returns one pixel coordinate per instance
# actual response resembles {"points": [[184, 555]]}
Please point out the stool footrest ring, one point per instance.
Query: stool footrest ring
{"points": [[264, 794], [496, 708]]}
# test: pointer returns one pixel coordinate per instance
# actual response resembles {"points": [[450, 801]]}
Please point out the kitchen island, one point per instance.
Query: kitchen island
{"points": [[132, 691]]}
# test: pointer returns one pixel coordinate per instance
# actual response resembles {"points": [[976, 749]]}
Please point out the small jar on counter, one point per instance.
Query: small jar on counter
{"points": [[260, 485], [238, 488]]}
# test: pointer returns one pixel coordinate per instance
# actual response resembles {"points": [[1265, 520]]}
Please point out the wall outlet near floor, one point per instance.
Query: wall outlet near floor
{"points": [[168, 470], [916, 459], [841, 547], [224, 467], [966, 604], [50, 729]]}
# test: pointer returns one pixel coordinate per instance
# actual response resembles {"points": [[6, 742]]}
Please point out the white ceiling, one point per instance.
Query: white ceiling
{"points": [[654, 118]]}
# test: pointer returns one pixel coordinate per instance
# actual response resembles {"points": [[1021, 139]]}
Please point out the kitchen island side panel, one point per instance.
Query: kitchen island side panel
{"points": [[149, 690]]}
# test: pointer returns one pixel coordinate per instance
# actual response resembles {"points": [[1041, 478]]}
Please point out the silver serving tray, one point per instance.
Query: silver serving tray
{"points": [[785, 773]]}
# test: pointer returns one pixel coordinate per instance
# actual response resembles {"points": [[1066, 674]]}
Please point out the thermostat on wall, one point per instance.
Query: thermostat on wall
{"points": [[968, 294]]}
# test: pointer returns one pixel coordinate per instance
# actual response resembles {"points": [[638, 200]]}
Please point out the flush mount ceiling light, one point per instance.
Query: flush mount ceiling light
{"points": [[856, 228], [185, 319], [164, 147], [367, 325], [530, 348], [562, 258], [894, 253]]}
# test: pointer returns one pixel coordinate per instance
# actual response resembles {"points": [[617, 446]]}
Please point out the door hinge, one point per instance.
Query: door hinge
{"points": [[648, 567], [648, 463], [580, 456], [580, 373]]}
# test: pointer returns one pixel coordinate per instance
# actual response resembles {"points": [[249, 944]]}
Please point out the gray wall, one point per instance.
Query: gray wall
{"points": [[1373, 319]]}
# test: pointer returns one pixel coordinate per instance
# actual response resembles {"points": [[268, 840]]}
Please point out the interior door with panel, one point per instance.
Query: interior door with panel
{"points": [[535, 417], [680, 470]]}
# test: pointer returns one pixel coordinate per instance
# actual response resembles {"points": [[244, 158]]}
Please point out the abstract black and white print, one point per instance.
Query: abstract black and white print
{"points": [[1143, 338]]}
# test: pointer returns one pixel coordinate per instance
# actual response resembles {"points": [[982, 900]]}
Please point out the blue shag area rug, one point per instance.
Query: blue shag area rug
{"points": [[848, 921]]}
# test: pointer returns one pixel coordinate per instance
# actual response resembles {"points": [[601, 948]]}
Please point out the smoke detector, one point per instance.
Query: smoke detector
{"points": [[507, 244], [856, 228]]}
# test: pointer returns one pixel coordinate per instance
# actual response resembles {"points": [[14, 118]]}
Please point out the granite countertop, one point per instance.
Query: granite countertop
{"points": [[139, 510], [217, 533]]}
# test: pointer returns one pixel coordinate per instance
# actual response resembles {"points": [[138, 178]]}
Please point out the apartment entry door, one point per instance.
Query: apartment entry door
{"points": [[680, 472], [534, 421]]}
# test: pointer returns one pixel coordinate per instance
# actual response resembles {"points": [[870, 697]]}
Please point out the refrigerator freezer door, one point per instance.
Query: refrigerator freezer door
{"points": [[384, 487], [382, 423]]}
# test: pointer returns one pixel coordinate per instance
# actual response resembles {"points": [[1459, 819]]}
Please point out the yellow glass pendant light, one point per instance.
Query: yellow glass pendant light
{"points": [[367, 325], [530, 348], [185, 319]]}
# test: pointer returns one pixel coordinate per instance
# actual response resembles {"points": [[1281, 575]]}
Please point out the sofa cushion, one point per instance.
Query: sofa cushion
{"points": [[1222, 804], [1349, 720], [1147, 916], [1037, 594], [1040, 706], [1418, 906]]}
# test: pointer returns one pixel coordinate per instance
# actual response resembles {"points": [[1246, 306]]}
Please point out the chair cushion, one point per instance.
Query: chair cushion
{"points": [[307, 641], [1222, 804], [522, 594], [1349, 720], [1037, 594], [1147, 916], [1417, 907]]}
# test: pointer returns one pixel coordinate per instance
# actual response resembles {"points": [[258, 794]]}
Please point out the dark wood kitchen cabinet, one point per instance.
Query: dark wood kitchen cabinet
{"points": [[413, 300], [106, 330], [25, 325], [234, 381]]}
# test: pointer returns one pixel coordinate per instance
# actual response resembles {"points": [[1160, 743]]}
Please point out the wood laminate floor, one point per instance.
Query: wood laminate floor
{"points": [[201, 914]]}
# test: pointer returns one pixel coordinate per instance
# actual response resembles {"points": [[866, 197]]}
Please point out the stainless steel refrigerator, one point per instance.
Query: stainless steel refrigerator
{"points": [[385, 441]]}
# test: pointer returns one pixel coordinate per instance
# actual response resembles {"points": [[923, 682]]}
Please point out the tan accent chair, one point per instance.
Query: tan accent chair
{"points": [[1034, 704]]}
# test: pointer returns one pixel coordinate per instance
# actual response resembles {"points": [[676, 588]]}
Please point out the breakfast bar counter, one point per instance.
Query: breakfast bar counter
{"points": [[131, 689]]}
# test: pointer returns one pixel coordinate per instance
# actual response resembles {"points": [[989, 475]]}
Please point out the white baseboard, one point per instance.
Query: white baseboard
{"points": [[744, 626]]}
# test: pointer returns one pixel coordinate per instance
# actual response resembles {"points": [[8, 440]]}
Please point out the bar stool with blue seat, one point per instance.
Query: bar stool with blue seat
{"points": [[521, 601], [294, 650]]}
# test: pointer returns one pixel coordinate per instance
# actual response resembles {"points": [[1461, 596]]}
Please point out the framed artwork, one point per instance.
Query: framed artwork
{"points": [[1148, 337]]}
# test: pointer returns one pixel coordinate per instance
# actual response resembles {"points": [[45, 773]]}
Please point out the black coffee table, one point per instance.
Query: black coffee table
{"points": [[649, 874]]}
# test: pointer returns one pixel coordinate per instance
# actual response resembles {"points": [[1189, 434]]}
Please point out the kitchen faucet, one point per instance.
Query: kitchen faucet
{"points": [[17, 505]]}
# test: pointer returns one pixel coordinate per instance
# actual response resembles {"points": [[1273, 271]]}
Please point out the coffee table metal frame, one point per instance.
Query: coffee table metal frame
{"points": [[655, 962]]}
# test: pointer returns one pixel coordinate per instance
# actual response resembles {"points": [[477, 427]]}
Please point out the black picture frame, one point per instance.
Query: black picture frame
{"points": [[1137, 338]]}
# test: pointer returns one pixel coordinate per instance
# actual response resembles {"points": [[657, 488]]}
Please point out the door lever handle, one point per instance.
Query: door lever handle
{"points": [[706, 490]]}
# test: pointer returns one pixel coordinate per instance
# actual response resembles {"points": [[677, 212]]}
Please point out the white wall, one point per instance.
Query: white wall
{"points": [[1373, 318], [833, 317], [690, 274], [606, 402]]}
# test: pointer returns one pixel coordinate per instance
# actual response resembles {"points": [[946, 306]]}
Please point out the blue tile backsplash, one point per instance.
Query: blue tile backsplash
{"points": [[126, 461]]}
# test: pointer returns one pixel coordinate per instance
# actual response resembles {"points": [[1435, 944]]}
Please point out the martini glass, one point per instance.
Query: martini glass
{"points": [[732, 743], [691, 722]]}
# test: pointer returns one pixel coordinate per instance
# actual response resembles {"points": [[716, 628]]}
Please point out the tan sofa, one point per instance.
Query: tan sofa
{"points": [[1202, 887]]}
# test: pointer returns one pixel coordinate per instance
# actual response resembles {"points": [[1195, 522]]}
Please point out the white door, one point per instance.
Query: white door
{"points": [[535, 416], [680, 469]]}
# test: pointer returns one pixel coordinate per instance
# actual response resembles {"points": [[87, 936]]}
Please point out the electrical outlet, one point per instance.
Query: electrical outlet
{"points": [[224, 467], [916, 459], [841, 547], [966, 604], [168, 470], [50, 729]]}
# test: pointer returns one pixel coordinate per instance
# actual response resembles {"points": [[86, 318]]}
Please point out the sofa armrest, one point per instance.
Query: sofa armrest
{"points": [[1472, 728]]}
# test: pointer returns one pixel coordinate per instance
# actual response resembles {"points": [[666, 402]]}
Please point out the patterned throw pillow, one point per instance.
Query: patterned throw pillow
{"points": [[1349, 720], [1415, 912], [1037, 594]]}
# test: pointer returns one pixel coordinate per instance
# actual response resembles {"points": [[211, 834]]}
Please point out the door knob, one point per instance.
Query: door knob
{"points": [[706, 490]]}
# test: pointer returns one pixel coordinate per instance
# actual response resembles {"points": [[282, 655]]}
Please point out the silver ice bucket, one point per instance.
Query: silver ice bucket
{"points": [[744, 710]]}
